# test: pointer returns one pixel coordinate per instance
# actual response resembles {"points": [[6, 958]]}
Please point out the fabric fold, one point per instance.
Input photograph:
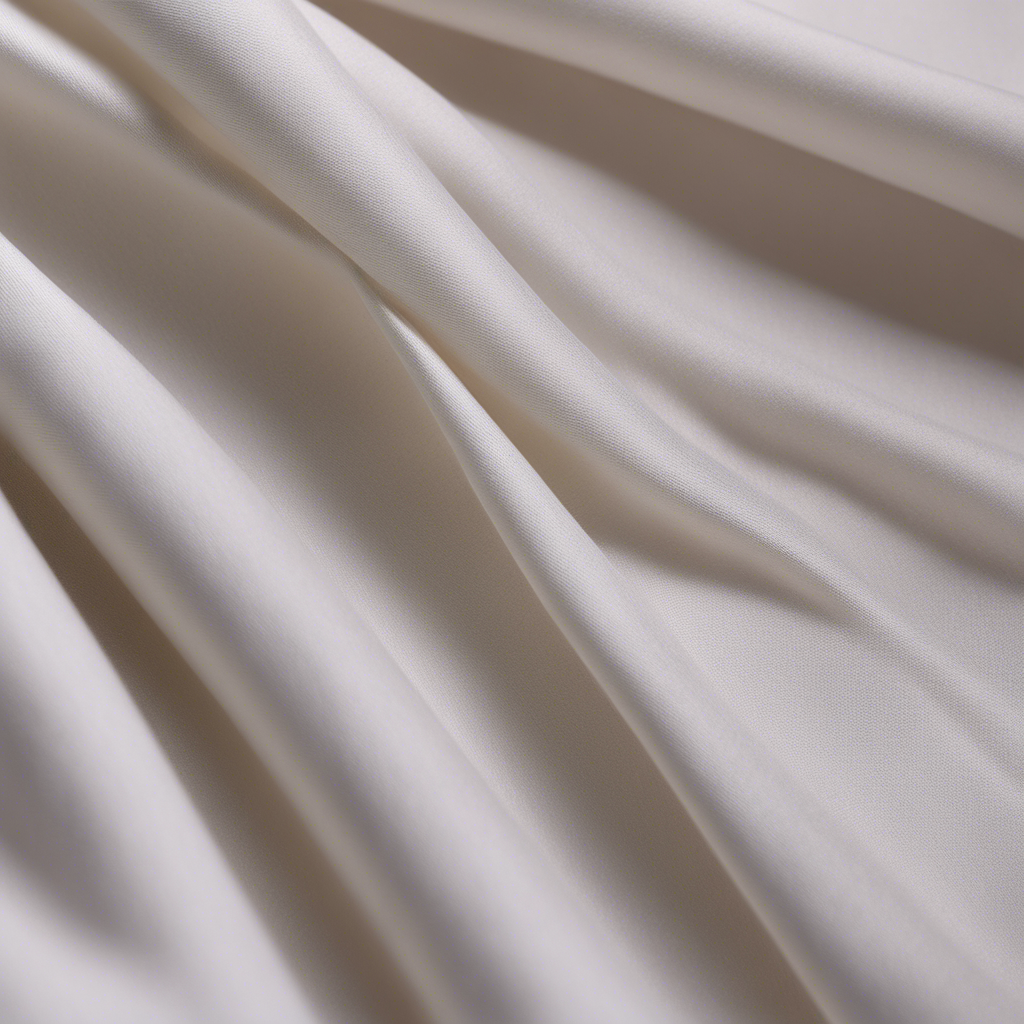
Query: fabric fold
{"points": [[398, 809], [949, 139], [97, 804], [851, 956], [769, 617], [967, 492], [355, 180]]}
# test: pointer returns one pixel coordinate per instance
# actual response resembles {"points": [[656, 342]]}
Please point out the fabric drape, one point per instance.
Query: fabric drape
{"points": [[511, 512]]}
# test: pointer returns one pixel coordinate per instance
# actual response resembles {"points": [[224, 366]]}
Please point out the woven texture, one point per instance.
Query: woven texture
{"points": [[511, 512]]}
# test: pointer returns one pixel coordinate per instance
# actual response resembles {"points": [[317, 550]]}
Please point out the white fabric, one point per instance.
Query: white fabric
{"points": [[483, 539]]}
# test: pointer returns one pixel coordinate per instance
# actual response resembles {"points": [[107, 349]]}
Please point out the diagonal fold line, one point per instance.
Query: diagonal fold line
{"points": [[850, 933], [950, 139], [306, 132], [966, 491], [398, 809], [929, 473], [116, 817]]}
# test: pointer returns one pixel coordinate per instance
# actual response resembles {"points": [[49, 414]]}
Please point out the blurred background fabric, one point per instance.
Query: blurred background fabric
{"points": [[511, 511]]}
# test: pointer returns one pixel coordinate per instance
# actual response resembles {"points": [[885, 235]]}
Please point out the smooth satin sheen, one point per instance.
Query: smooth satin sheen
{"points": [[514, 516]]}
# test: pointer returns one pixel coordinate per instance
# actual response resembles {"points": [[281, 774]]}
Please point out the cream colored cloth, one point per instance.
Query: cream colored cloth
{"points": [[512, 512]]}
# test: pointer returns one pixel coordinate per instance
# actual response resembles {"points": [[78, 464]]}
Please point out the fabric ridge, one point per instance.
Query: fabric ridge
{"points": [[511, 512]]}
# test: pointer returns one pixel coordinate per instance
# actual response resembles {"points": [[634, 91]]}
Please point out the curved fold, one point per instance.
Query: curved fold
{"points": [[113, 817], [851, 935], [355, 180], [398, 809], [857, 784], [949, 139], [85, 981], [965, 491]]}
